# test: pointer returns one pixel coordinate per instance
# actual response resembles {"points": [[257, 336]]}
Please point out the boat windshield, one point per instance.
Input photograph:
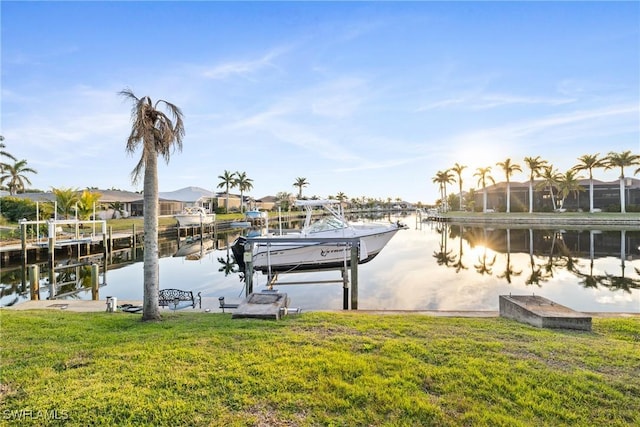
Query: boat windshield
{"points": [[326, 224]]}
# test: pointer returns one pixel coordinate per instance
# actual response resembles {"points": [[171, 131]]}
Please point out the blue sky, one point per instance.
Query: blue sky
{"points": [[365, 98]]}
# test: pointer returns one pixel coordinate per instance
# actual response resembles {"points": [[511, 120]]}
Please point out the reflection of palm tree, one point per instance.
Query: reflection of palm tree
{"points": [[620, 283], [508, 271], [459, 265], [443, 256], [484, 267], [228, 265]]}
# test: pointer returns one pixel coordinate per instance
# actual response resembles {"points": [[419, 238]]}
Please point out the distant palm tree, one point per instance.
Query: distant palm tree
{"points": [[509, 168], [244, 184], [568, 184], [15, 176], [158, 134], [457, 168], [86, 203], [536, 165], [300, 183], [117, 208], [589, 162], [228, 180], [484, 175], [622, 160], [550, 178], [443, 178], [66, 201]]}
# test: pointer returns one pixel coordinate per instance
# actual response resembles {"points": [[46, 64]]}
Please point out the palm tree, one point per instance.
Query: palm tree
{"points": [[86, 203], [622, 160], [443, 178], [568, 184], [244, 184], [589, 162], [228, 180], [550, 177], [535, 164], [15, 176], [457, 168], [3, 153], [66, 201], [509, 168], [484, 175], [300, 183], [158, 134]]}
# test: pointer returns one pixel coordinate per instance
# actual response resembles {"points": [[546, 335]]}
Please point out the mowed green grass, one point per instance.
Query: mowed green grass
{"points": [[336, 369]]}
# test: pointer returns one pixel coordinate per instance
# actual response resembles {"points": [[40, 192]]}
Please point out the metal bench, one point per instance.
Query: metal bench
{"points": [[176, 296]]}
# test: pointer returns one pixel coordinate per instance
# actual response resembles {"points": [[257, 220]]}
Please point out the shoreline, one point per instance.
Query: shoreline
{"points": [[631, 220]]}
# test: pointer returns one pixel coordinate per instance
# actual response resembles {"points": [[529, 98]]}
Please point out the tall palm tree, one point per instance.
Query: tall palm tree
{"points": [[550, 178], [15, 176], [457, 168], [484, 175], [227, 180], [622, 160], [509, 168], [589, 162], [244, 184], [536, 165], [568, 184], [300, 183], [443, 178], [159, 134]]}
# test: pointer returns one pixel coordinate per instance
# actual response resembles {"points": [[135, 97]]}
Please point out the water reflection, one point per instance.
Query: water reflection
{"points": [[431, 266]]}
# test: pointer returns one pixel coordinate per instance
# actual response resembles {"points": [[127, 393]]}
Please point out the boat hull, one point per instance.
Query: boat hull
{"points": [[186, 220], [309, 255]]}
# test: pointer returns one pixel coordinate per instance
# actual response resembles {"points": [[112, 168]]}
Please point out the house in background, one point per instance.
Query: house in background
{"points": [[605, 195]]}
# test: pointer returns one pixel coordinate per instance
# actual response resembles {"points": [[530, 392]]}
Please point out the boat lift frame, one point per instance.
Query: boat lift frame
{"points": [[352, 242]]}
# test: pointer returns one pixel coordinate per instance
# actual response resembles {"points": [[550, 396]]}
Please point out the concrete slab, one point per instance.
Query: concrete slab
{"points": [[262, 305], [542, 312]]}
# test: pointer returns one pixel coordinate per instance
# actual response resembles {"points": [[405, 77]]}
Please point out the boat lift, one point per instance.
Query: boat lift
{"points": [[352, 242]]}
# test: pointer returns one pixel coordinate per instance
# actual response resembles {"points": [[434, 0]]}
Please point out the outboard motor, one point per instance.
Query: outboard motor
{"points": [[238, 252]]}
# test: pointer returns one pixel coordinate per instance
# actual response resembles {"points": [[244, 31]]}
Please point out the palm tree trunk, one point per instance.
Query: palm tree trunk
{"points": [[508, 197], [623, 208], [530, 196], [151, 310], [484, 199]]}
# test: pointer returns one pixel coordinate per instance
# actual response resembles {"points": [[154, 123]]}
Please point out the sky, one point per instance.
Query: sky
{"points": [[370, 99]]}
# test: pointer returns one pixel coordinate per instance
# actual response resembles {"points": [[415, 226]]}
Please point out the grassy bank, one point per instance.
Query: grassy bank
{"points": [[314, 369]]}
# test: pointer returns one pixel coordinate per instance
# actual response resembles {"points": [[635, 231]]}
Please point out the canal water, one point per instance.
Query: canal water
{"points": [[428, 266]]}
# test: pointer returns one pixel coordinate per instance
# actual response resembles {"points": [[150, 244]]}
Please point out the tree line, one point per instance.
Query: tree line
{"points": [[559, 185]]}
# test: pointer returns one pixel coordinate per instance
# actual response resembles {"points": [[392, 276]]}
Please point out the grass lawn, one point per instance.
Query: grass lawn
{"points": [[340, 369]]}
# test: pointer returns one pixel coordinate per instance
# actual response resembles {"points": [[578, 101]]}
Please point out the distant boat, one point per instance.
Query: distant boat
{"points": [[307, 253], [255, 217], [194, 216]]}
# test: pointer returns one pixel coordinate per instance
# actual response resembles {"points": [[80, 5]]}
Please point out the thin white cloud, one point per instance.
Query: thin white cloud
{"points": [[246, 68], [488, 101]]}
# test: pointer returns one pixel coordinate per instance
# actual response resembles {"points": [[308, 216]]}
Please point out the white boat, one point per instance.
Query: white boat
{"points": [[306, 252], [256, 217], [194, 216]]}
